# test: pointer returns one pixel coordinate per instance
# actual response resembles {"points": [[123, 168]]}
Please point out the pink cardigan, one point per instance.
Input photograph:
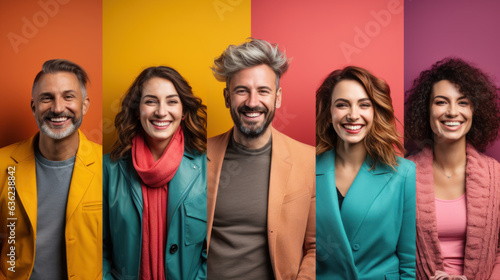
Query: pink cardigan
{"points": [[482, 251]]}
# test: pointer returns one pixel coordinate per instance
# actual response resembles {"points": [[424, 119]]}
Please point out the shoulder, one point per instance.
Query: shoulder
{"points": [[8, 150], [405, 165], [14, 153], [217, 140], [195, 156], [295, 146]]}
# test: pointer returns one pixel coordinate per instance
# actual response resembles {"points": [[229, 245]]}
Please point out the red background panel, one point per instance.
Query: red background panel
{"points": [[321, 36]]}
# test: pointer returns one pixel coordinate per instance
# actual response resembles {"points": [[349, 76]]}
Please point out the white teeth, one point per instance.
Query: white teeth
{"points": [[252, 115], [157, 123], [452, 123], [352, 127], [58, 119]]}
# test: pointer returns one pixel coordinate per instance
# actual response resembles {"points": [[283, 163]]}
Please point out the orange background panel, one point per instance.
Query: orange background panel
{"points": [[32, 32]]}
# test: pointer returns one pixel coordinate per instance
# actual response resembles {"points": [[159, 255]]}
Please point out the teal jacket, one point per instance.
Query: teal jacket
{"points": [[185, 252], [373, 236]]}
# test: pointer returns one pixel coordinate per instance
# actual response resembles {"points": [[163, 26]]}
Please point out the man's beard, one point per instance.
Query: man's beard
{"points": [[45, 128], [250, 131]]}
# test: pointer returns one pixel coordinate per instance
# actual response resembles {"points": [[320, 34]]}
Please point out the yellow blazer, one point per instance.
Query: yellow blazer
{"points": [[291, 217], [83, 231]]}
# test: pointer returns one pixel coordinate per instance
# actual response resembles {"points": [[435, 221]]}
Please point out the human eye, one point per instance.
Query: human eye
{"points": [[173, 102], [69, 97], [264, 92], [464, 102], [439, 102], [341, 105], [240, 91], [149, 101], [45, 98], [365, 105]]}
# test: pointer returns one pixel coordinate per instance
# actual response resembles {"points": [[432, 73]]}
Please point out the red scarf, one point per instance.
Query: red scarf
{"points": [[155, 176]]}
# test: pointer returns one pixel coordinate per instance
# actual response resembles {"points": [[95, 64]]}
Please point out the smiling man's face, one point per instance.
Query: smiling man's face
{"points": [[252, 98], [58, 105]]}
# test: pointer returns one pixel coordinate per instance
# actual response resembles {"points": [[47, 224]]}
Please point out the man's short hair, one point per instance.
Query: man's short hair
{"points": [[252, 53], [63, 65]]}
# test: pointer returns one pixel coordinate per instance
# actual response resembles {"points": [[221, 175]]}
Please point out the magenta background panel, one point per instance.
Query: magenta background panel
{"points": [[462, 28]]}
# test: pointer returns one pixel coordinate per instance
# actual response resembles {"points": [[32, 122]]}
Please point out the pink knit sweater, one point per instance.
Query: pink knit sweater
{"points": [[482, 248]]}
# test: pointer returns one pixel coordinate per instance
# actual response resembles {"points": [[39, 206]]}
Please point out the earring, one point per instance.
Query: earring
{"points": [[182, 118]]}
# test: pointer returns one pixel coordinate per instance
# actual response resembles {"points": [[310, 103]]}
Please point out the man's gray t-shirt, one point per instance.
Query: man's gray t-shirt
{"points": [[238, 245], [53, 179]]}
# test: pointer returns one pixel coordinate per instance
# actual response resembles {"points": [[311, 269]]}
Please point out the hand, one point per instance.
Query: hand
{"points": [[441, 275]]}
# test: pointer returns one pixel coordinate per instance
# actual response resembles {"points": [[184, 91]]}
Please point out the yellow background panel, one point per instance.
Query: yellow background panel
{"points": [[185, 35]]}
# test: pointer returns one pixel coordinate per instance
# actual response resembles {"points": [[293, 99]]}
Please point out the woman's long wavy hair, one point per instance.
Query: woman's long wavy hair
{"points": [[383, 139], [128, 125]]}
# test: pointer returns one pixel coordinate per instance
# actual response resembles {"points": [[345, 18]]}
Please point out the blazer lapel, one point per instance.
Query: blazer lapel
{"points": [[25, 175], [364, 190], [333, 244], [82, 175], [216, 149], [180, 184], [128, 170], [280, 171]]}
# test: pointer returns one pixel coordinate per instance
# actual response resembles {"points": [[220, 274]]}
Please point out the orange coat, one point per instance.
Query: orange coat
{"points": [[83, 212], [291, 217]]}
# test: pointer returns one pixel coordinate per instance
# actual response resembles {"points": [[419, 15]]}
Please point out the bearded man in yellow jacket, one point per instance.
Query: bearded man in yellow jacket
{"points": [[51, 186]]}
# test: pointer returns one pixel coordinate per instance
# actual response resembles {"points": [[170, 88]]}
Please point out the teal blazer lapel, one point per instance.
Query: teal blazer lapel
{"points": [[334, 257], [127, 168], [363, 192], [181, 183]]}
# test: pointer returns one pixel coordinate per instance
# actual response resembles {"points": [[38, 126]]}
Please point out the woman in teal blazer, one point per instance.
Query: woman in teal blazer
{"points": [[365, 208], [154, 183]]}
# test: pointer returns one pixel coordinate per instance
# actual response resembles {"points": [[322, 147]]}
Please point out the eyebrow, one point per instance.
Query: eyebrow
{"points": [[446, 98], [155, 97], [247, 88], [347, 101]]}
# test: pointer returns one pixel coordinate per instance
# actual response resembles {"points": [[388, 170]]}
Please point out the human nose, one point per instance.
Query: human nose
{"points": [[353, 113], [253, 99], [162, 110], [452, 110], [58, 105]]}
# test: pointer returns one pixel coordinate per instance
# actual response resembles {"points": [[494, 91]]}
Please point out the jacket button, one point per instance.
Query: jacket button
{"points": [[355, 247], [173, 249]]}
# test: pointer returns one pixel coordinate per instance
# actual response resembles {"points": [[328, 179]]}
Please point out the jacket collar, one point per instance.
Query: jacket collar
{"points": [[24, 156], [188, 170], [360, 196]]}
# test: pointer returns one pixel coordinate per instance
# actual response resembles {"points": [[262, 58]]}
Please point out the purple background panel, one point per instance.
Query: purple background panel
{"points": [[461, 28]]}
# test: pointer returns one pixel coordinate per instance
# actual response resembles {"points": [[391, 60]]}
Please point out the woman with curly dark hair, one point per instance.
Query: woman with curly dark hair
{"points": [[453, 113], [365, 208], [154, 182]]}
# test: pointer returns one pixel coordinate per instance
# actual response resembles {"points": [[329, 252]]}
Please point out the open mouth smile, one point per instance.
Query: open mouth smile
{"points": [[352, 128], [452, 125], [161, 124], [58, 121]]}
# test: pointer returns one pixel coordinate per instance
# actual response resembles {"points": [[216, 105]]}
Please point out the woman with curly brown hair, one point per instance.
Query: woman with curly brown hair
{"points": [[365, 209], [154, 182], [453, 113]]}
